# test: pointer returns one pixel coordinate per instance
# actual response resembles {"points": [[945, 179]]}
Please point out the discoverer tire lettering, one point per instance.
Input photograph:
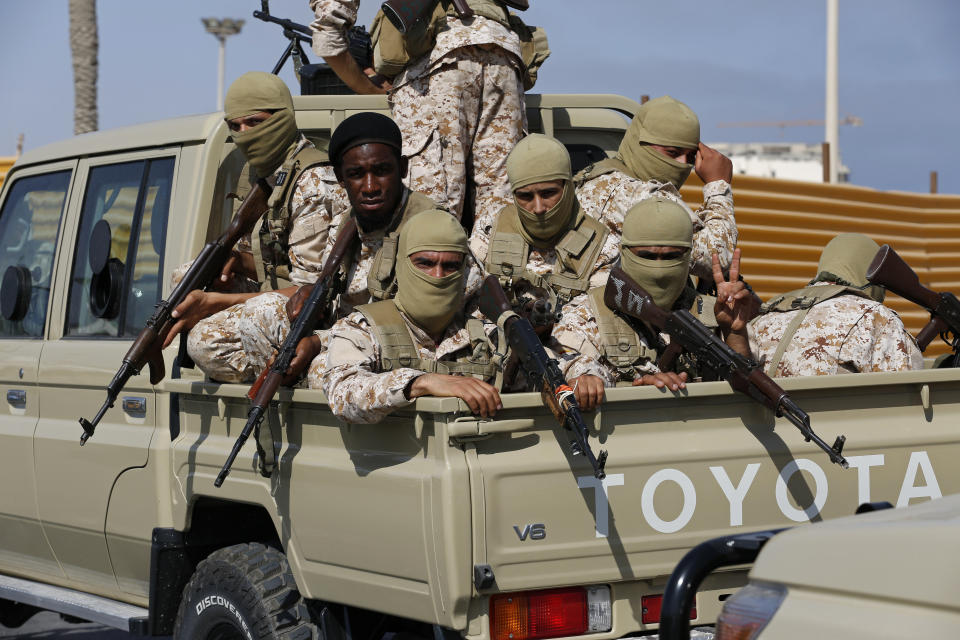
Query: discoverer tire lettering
{"points": [[243, 591]]}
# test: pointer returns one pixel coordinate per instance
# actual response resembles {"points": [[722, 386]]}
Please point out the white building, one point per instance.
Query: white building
{"points": [[787, 160]]}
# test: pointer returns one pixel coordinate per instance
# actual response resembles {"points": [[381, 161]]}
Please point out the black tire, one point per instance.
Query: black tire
{"points": [[245, 591]]}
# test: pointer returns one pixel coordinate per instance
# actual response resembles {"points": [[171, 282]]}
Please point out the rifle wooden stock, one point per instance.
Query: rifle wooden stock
{"points": [[201, 274], [891, 271], [314, 311], [743, 374]]}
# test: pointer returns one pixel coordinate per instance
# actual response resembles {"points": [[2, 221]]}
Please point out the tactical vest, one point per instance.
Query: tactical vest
{"points": [[577, 254], [393, 51], [801, 300], [621, 345], [397, 348], [270, 237], [382, 278]]}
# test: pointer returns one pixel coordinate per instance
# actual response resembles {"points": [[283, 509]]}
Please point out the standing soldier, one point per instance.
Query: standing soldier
{"points": [[660, 148], [457, 94], [386, 354], [836, 324]]}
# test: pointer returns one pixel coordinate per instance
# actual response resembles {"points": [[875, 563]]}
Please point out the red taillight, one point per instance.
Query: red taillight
{"points": [[531, 615], [651, 609]]}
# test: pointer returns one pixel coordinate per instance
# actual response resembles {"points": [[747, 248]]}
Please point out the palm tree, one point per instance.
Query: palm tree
{"points": [[84, 45]]}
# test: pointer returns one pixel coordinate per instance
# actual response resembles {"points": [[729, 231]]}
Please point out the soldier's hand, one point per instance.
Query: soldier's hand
{"points": [[712, 165], [668, 379], [588, 390], [482, 398], [736, 305], [238, 265], [194, 308], [307, 349], [297, 300]]}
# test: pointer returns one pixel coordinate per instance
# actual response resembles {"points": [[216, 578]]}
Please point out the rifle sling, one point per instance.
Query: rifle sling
{"points": [[788, 334]]}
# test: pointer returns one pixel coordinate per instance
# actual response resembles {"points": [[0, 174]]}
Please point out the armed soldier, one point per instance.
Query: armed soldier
{"points": [[659, 150], [457, 92], [387, 353], [365, 150], [836, 324], [544, 243], [655, 252], [287, 244]]}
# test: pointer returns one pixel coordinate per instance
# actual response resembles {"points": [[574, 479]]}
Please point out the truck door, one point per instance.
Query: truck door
{"points": [[29, 226], [117, 228]]}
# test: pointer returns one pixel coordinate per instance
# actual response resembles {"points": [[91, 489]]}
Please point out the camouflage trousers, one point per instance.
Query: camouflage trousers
{"points": [[235, 344], [460, 121]]}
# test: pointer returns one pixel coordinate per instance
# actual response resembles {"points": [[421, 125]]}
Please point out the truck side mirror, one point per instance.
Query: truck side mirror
{"points": [[15, 292]]}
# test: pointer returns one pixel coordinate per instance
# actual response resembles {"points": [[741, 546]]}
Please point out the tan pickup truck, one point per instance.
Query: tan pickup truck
{"points": [[430, 524]]}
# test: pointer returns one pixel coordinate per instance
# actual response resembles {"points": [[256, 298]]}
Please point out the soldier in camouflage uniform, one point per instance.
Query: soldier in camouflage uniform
{"points": [[459, 102], [656, 241], [286, 245], [386, 354], [543, 243], [660, 148], [837, 324]]}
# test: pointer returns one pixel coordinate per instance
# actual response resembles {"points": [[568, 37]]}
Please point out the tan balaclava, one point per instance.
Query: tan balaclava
{"points": [[540, 158], [269, 143], [657, 222], [666, 122], [845, 260], [429, 301]]}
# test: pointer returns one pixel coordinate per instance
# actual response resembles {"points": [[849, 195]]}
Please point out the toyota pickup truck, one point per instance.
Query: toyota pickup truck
{"points": [[432, 523]]}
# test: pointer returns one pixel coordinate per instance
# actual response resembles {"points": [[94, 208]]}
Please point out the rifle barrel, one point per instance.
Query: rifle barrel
{"points": [[254, 418]]}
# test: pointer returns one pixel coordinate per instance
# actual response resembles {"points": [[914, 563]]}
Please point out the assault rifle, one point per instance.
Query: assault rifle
{"points": [[888, 269], [315, 310], [634, 304], [541, 369], [146, 349], [357, 38]]}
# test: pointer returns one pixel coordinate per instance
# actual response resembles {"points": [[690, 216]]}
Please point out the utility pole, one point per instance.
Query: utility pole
{"points": [[221, 29], [832, 130]]}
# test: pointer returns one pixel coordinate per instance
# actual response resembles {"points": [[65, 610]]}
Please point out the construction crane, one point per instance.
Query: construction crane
{"points": [[783, 124]]}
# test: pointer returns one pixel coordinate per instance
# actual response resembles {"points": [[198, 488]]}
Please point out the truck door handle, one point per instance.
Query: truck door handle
{"points": [[17, 396], [134, 404]]}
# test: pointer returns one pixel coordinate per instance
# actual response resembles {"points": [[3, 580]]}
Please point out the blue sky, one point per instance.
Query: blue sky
{"points": [[735, 60]]}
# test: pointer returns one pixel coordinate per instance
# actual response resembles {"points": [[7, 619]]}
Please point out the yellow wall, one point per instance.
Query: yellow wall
{"points": [[5, 163], [784, 224]]}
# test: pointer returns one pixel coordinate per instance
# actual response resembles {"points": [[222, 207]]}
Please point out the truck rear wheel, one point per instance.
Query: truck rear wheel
{"points": [[245, 591]]}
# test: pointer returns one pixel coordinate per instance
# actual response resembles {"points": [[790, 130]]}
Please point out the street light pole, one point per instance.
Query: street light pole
{"points": [[221, 29], [832, 133]]}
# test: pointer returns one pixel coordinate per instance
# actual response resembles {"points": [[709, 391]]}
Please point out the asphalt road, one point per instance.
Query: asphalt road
{"points": [[49, 626]]}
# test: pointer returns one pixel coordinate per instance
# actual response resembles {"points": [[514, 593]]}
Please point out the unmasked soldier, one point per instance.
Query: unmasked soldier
{"points": [[287, 244], [387, 353], [836, 324], [655, 253], [659, 150], [544, 244], [457, 93]]}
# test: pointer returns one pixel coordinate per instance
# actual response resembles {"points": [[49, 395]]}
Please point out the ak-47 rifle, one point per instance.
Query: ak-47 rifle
{"points": [[146, 349], [888, 269], [624, 296], [315, 311], [540, 369]]}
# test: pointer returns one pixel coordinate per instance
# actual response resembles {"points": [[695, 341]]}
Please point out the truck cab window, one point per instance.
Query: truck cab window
{"points": [[29, 225], [133, 199]]}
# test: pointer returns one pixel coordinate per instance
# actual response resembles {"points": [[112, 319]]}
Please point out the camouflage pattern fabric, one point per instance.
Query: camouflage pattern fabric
{"points": [[845, 334], [357, 390], [459, 123], [234, 345], [608, 197]]}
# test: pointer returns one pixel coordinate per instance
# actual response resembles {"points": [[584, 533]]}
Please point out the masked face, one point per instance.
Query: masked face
{"points": [[545, 210], [431, 270], [265, 141], [662, 271], [657, 144]]}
